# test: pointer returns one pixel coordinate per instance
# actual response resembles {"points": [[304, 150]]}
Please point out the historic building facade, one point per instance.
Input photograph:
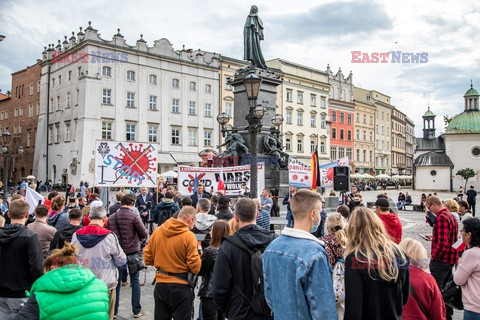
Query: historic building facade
{"points": [[383, 134], [117, 91], [398, 142], [364, 145], [19, 115], [409, 145], [303, 102]]}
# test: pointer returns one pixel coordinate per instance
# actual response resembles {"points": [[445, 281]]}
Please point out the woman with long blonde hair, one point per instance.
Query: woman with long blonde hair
{"points": [[377, 282]]}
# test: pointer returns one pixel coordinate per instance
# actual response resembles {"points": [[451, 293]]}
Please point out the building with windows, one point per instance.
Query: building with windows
{"points": [[383, 122], [342, 115], [93, 89], [303, 102], [19, 115], [409, 145], [364, 144], [398, 142]]}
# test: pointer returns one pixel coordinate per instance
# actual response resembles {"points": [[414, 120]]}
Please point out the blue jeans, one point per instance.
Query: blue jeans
{"points": [[134, 280], [470, 315], [289, 219]]}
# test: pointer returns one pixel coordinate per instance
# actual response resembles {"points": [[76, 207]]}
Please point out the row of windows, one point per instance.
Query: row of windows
{"points": [[364, 119], [364, 154], [341, 135], [387, 132], [382, 144], [313, 98], [364, 136], [340, 152], [342, 117], [131, 134], [382, 162], [300, 143], [313, 119], [20, 88]]}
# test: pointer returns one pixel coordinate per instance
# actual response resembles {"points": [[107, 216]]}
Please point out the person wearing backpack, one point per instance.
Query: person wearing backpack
{"points": [[298, 280], [165, 209], [237, 282]]}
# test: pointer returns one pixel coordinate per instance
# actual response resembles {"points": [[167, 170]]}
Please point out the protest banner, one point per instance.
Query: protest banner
{"points": [[125, 164], [299, 174], [232, 178]]}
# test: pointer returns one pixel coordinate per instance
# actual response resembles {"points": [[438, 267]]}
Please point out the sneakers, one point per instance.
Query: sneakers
{"points": [[140, 314]]}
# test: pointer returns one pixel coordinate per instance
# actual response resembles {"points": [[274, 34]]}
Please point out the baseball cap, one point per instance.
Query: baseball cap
{"points": [[382, 202]]}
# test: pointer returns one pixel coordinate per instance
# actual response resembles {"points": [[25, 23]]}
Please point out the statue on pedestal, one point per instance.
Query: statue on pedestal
{"points": [[236, 147], [273, 147], [252, 34]]}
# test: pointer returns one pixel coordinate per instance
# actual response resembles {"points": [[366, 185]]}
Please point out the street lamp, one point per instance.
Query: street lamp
{"points": [[277, 120], [6, 139]]}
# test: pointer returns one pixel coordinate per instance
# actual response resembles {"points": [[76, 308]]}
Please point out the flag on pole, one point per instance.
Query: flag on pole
{"points": [[314, 166], [33, 198], [459, 245]]}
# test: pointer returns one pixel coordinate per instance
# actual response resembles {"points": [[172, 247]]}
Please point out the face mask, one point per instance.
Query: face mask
{"points": [[315, 228], [358, 203]]}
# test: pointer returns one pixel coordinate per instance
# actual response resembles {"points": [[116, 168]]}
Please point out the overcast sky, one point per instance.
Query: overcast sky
{"points": [[313, 33]]}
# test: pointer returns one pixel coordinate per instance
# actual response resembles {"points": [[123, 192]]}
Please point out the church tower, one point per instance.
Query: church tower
{"points": [[471, 99], [429, 125]]}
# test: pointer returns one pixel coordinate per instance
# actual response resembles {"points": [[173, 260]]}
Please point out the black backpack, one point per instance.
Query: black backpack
{"points": [[257, 301], [164, 215]]}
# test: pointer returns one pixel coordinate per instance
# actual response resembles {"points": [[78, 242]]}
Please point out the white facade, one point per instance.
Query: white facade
{"points": [[153, 95], [383, 135], [459, 148], [432, 178]]}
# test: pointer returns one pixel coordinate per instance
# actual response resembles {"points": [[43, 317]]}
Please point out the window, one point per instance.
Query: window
{"points": [[300, 118], [58, 103], [288, 144], [15, 131], [364, 155], [364, 118], [333, 153], [79, 72], [371, 119], [78, 97], [348, 153], [175, 83], [38, 86], [383, 130], [299, 145], [20, 111], [192, 137], [476, 151], [68, 100], [208, 88], [50, 133], [131, 99], [341, 135], [312, 120], [313, 100], [152, 79], [106, 130], [323, 102], [30, 111], [57, 132], [371, 136], [208, 110], [6, 114], [59, 80], [68, 131], [175, 136], [341, 152], [31, 88], [364, 135], [368, 97], [371, 156], [207, 138], [69, 75], [29, 138], [192, 108], [349, 135], [130, 75], [334, 133], [299, 97], [289, 96], [288, 119], [107, 96], [323, 150], [193, 86], [175, 105], [376, 128], [15, 112], [130, 132], [152, 133], [349, 118], [334, 116], [153, 103], [1, 116], [228, 108], [312, 145], [323, 122]]}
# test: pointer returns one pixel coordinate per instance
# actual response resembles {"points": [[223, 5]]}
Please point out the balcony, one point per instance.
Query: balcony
{"points": [[382, 153]]}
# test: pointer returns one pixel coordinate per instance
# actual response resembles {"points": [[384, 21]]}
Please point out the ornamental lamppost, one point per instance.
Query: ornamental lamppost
{"points": [[6, 139]]}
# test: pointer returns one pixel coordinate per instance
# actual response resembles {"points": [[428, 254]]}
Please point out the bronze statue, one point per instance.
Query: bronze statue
{"points": [[252, 34], [235, 148], [273, 147]]}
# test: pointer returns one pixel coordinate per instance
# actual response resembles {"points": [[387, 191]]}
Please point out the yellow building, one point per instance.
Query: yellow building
{"points": [[398, 142], [364, 128], [303, 101]]}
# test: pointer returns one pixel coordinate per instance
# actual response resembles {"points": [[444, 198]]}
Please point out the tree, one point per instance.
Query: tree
{"points": [[466, 174]]}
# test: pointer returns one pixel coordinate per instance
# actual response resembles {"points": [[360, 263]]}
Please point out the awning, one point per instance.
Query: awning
{"points": [[186, 158], [165, 158]]}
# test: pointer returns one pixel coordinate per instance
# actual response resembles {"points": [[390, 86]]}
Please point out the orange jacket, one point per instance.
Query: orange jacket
{"points": [[172, 248]]}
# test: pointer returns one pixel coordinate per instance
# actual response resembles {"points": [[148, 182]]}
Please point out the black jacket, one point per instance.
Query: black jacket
{"points": [[209, 257], [224, 214], [114, 208], [232, 267], [21, 260], [63, 235], [374, 299], [194, 198]]}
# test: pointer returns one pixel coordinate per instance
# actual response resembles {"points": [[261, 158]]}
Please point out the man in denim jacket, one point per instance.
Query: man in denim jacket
{"points": [[298, 280]]}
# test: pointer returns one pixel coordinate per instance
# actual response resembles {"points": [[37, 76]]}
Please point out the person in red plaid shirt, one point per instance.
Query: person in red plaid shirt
{"points": [[445, 233]]}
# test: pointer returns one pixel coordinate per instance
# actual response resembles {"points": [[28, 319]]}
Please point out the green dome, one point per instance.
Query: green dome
{"points": [[465, 122], [471, 92], [429, 113]]}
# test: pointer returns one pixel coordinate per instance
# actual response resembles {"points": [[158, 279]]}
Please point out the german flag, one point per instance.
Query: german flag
{"points": [[314, 166]]}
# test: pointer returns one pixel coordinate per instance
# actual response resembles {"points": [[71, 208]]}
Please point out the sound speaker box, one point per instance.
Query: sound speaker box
{"points": [[341, 178]]}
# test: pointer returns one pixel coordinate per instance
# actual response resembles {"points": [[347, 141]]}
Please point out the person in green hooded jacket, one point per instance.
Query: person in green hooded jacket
{"points": [[65, 291]]}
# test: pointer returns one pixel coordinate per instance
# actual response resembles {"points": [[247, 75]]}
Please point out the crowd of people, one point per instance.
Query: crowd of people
{"points": [[350, 264]]}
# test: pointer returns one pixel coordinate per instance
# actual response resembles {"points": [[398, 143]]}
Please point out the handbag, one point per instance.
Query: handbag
{"points": [[420, 305], [134, 260], [338, 279], [452, 295]]}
